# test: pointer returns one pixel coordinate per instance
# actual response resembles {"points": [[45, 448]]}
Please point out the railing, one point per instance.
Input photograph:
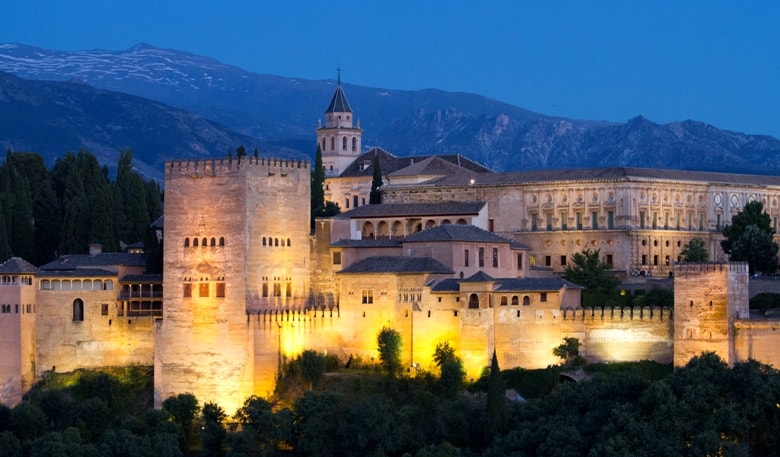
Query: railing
{"points": [[140, 294]]}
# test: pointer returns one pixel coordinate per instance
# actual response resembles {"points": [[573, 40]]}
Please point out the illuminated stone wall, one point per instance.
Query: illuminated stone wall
{"points": [[257, 211], [757, 339], [621, 334], [17, 338], [64, 344]]}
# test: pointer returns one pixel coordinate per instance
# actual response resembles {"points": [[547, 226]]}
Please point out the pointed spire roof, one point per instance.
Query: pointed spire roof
{"points": [[339, 103]]}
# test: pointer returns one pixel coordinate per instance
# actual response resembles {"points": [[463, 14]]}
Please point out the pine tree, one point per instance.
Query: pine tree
{"points": [[375, 197]]}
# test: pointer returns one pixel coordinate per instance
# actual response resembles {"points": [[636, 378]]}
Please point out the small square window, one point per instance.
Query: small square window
{"points": [[336, 258]]}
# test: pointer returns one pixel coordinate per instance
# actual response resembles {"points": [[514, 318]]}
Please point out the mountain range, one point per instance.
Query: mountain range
{"points": [[167, 104]]}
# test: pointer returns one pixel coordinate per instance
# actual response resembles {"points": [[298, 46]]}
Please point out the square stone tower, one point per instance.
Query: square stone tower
{"points": [[708, 297], [236, 241]]}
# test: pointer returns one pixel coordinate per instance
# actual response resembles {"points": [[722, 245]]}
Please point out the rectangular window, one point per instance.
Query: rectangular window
{"points": [[277, 289], [495, 257], [655, 220], [481, 257], [579, 221], [641, 219], [221, 289], [655, 260], [203, 289], [547, 261], [564, 220], [701, 222], [666, 221], [594, 220], [534, 222], [465, 257], [543, 297], [563, 260], [610, 220], [368, 296], [532, 260], [120, 310], [491, 226], [609, 259], [104, 309], [644, 259], [519, 261], [187, 290], [548, 221], [346, 202], [678, 220], [355, 201], [336, 258]]}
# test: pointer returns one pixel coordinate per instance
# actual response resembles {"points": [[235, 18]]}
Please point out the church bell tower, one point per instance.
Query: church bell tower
{"points": [[338, 140]]}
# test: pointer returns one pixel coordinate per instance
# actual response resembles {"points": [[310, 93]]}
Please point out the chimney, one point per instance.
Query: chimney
{"points": [[95, 248]]}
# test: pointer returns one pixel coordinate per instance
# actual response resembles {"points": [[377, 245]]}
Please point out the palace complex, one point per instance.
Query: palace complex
{"points": [[455, 252]]}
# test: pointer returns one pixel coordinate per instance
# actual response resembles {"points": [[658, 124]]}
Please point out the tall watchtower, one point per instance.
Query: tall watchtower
{"points": [[708, 297], [338, 140], [236, 241]]}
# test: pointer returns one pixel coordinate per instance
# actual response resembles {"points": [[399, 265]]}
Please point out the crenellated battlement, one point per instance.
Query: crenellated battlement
{"points": [[694, 268], [618, 314], [228, 166]]}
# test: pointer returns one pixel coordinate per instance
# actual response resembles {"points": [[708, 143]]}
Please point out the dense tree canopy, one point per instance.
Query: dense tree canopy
{"points": [[641, 409], [589, 271], [45, 213], [695, 251], [749, 238]]}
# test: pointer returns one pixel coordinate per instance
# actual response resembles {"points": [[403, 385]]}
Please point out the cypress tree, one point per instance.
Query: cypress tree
{"points": [[375, 197], [5, 247], [317, 183], [496, 417]]}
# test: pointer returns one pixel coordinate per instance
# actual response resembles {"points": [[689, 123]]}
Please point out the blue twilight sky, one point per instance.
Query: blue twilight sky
{"points": [[713, 61]]}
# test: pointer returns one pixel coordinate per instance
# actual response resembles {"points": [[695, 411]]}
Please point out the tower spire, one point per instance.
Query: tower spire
{"points": [[338, 69]]}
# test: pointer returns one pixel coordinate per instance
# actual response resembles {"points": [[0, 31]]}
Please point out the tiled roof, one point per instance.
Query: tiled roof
{"points": [[73, 261], [397, 264], [456, 232], [17, 265], [363, 165], [433, 166], [77, 273], [479, 276], [533, 284], [506, 284], [368, 243], [414, 209], [339, 103], [446, 285], [606, 174], [144, 278]]}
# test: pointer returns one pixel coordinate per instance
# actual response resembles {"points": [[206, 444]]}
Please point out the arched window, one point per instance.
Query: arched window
{"points": [[515, 300], [276, 241], [186, 242], [205, 242], [526, 301], [344, 144], [332, 143], [503, 301], [354, 144], [323, 143], [222, 241], [473, 301], [265, 290], [430, 224], [195, 242], [213, 241], [263, 241], [288, 242], [78, 310]]}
